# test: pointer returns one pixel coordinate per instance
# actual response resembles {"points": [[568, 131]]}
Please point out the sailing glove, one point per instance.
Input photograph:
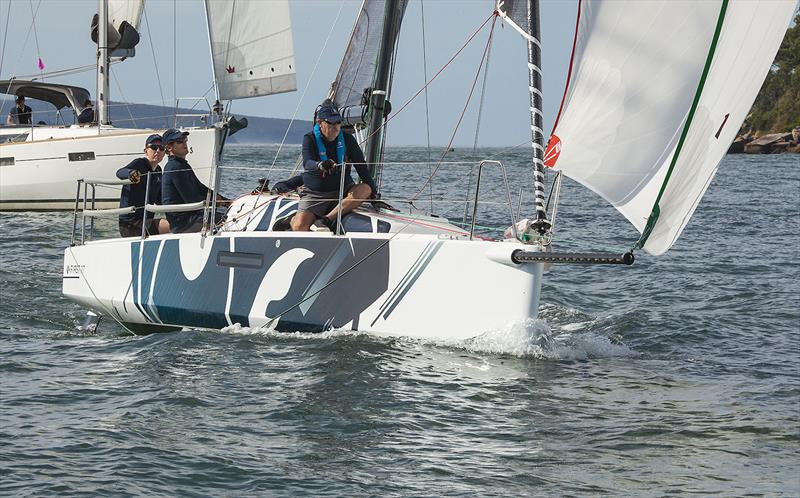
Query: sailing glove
{"points": [[134, 176], [326, 167]]}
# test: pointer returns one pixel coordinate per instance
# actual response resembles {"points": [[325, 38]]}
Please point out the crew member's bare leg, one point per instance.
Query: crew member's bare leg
{"points": [[302, 221], [355, 198]]}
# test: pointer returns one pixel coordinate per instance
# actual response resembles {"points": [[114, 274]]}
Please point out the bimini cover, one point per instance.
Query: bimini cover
{"points": [[657, 91], [251, 47], [59, 95]]}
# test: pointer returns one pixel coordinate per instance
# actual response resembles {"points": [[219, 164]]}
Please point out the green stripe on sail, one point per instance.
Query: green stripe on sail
{"points": [[654, 214]]}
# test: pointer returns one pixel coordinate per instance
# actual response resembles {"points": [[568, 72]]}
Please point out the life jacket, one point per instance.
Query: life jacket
{"points": [[323, 154]]}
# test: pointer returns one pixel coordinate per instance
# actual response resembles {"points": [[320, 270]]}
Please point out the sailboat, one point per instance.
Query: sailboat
{"points": [[41, 163], [674, 77]]}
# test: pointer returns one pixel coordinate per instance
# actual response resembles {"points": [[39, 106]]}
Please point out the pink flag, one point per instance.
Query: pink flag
{"points": [[41, 64]]}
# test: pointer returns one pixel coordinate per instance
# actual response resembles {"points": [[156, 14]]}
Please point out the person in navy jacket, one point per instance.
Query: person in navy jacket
{"points": [[181, 186], [140, 171], [326, 150]]}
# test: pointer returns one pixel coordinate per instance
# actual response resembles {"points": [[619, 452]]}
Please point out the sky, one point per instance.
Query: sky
{"points": [[179, 57]]}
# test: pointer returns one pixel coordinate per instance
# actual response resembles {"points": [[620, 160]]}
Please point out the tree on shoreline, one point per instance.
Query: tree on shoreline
{"points": [[777, 106]]}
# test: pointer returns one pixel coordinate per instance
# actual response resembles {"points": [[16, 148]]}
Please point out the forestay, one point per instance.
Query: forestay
{"points": [[657, 92], [251, 47], [360, 59]]}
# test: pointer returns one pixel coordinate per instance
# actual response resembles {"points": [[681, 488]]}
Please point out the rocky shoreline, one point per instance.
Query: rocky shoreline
{"points": [[773, 143]]}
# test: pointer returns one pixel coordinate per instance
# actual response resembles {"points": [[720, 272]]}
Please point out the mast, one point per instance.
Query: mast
{"points": [[102, 63], [541, 223], [380, 87]]}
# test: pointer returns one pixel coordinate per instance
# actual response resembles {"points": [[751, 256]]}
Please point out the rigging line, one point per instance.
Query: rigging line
{"points": [[3, 54], [125, 100], [27, 36], [155, 61], [58, 73], [302, 96], [5, 37], [427, 113], [395, 113], [86, 280], [175, 51], [463, 111], [477, 128], [36, 35], [356, 264]]}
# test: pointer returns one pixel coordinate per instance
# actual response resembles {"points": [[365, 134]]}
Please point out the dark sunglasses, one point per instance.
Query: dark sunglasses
{"points": [[331, 123], [155, 147], [181, 141]]}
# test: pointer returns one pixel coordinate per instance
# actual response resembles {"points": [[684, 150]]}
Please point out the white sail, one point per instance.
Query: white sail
{"points": [[658, 90], [251, 47], [125, 10]]}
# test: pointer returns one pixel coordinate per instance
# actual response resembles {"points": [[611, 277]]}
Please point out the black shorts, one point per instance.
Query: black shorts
{"points": [[320, 203], [134, 228]]}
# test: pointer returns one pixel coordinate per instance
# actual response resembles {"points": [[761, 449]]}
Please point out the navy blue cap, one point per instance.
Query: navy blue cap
{"points": [[329, 113], [152, 138], [172, 134]]}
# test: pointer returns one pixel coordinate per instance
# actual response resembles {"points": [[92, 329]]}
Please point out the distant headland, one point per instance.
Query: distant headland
{"points": [[773, 125]]}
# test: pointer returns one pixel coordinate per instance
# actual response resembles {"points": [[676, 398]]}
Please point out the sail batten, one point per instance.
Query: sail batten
{"points": [[251, 47], [658, 91]]}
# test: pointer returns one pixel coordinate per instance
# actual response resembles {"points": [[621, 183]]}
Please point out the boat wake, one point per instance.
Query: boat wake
{"points": [[532, 338]]}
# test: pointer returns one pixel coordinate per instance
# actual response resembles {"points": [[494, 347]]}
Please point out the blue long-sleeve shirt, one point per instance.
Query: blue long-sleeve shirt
{"points": [[312, 177], [179, 185], [134, 194]]}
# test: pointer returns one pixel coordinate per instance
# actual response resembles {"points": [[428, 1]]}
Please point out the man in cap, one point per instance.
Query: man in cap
{"points": [[20, 114], [140, 172], [181, 186], [326, 150]]}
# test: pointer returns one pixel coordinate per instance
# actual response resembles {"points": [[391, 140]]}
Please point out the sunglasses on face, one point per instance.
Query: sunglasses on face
{"points": [[331, 123], [181, 141], [155, 147]]}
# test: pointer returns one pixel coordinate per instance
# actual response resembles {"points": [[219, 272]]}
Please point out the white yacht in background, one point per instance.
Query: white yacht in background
{"points": [[40, 164]]}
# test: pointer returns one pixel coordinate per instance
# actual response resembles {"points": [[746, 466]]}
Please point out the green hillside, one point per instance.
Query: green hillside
{"points": [[777, 107]]}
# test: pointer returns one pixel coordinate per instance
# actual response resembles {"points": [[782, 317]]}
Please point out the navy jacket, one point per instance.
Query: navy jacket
{"points": [[21, 116], [86, 116], [312, 177], [181, 186], [133, 194]]}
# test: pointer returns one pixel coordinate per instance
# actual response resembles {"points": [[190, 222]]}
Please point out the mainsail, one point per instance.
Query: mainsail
{"points": [[251, 47], [123, 18], [657, 92], [129, 11], [358, 66]]}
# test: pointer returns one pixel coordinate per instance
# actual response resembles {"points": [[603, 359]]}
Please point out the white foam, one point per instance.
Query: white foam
{"points": [[532, 338]]}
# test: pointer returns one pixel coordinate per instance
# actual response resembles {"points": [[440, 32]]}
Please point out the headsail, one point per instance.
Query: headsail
{"points": [[358, 65], [658, 91], [251, 47]]}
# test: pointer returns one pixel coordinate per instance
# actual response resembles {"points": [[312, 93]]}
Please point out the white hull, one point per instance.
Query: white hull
{"points": [[41, 172], [408, 283]]}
